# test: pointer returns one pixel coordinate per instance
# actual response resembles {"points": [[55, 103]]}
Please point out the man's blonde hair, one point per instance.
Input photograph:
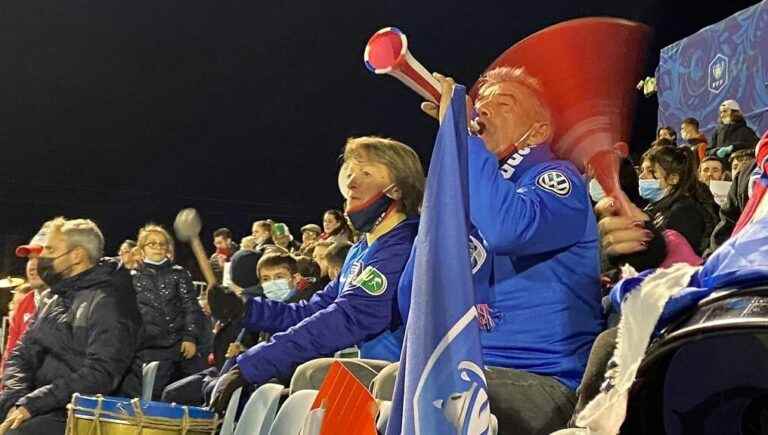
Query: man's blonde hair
{"points": [[80, 233], [401, 160]]}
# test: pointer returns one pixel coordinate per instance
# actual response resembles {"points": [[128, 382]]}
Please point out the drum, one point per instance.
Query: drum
{"points": [[707, 373], [99, 415]]}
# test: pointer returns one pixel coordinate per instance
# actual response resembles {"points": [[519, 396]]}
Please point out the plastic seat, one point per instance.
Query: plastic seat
{"points": [[228, 424], [290, 417], [148, 372], [385, 408], [260, 410]]}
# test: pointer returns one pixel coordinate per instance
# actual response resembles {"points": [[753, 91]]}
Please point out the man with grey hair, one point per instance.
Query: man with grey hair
{"points": [[83, 339]]}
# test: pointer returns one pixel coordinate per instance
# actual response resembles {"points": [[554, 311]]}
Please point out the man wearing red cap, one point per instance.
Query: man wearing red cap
{"points": [[28, 305]]}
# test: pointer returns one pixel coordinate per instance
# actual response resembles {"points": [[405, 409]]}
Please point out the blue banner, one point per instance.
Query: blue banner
{"points": [[441, 387], [727, 60]]}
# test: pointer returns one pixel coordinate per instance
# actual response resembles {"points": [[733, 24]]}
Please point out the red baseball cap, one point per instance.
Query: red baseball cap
{"points": [[35, 246]]}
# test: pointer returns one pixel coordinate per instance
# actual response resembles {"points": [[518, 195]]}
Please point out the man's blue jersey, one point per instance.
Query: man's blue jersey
{"points": [[543, 288], [535, 262]]}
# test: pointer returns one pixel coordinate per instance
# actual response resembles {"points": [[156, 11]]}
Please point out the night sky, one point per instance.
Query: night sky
{"points": [[125, 112]]}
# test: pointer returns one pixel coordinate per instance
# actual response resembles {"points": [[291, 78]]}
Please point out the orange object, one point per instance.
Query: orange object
{"points": [[350, 408], [588, 69]]}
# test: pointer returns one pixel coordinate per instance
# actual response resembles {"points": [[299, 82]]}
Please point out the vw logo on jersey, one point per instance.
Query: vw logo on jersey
{"points": [[555, 182]]}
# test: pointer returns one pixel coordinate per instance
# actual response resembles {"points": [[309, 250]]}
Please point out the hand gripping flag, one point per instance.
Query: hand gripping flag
{"points": [[441, 387]]}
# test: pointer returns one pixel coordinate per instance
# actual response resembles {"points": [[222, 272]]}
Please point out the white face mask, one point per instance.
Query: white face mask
{"points": [[277, 289]]}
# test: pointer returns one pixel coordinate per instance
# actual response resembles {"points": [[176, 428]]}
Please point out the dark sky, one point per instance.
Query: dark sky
{"points": [[125, 112]]}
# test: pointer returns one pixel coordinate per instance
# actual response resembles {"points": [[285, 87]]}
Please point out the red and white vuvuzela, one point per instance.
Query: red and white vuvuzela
{"points": [[387, 53]]}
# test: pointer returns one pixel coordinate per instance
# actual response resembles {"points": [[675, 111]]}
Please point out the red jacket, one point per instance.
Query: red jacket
{"points": [[18, 325]]}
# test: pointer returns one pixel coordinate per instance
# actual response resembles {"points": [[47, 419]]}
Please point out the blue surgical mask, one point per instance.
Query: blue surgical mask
{"points": [[596, 191], [277, 289], [364, 219], [650, 190]]}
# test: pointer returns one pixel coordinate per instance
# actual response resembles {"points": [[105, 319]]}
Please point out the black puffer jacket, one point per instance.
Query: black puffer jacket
{"points": [[82, 340], [168, 304], [736, 134]]}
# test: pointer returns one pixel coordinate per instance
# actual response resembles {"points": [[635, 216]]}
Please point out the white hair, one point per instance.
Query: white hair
{"points": [[81, 233]]}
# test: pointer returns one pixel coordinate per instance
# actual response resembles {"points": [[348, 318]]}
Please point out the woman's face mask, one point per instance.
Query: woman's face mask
{"points": [[650, 190]]}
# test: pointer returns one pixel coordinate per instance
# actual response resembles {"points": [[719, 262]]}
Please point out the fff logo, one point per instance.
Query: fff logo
{"points": [[718, 73]]}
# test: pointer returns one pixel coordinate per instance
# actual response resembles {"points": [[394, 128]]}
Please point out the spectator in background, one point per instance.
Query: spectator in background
{"points": [[334, 258], [711, 168], [732, 133], [27, 306], [171, 315], [318, 254], [740, 159], [668, 133], [68, 349], [225, 248], [335, 227], [127, 254], [678, 201], [311, 280], [689, 131], [282, 237], [262, 232], [310, 233]]}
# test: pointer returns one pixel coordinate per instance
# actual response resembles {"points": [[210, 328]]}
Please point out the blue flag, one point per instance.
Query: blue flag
{"points": [[441, 387]]}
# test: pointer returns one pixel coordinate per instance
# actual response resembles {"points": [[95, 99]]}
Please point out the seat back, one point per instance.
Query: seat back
{"points": [[259, 412], [149, 371], [228, 424], [290, 417]]}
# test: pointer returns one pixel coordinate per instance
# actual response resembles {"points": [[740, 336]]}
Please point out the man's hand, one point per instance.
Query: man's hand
{"points": [[234, 349], [16, 416], [446, 90], [621, 235], [227, 384], [188, 349]]}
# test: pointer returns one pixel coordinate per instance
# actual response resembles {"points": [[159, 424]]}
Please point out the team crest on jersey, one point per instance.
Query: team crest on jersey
{"points": [[555, 182], [372, 281]]}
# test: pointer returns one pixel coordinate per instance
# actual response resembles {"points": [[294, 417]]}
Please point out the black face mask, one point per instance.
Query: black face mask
{"points": [[46, 271]]}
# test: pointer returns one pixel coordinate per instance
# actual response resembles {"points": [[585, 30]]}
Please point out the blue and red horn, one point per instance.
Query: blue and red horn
{"points": [[387, 53]]}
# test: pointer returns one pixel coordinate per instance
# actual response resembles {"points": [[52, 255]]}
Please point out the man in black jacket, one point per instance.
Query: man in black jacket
{"points": [[732, 134], [82, 341]]}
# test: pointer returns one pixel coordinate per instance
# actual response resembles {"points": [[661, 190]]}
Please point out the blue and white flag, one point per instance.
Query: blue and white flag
{"points": [[441, 388]]}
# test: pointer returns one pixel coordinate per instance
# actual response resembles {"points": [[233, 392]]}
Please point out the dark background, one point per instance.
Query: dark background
{"points": [[125, 112]]}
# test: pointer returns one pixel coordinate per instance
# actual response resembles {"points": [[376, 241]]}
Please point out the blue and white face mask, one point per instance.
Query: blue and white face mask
{"points": [[596, 191], [650, 190], [277, 289]]}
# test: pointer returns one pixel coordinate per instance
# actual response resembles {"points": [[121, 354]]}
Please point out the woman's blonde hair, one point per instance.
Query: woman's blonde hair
{"points": [[401, 160]]}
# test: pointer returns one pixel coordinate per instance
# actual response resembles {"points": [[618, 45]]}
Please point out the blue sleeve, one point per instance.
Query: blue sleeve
{"points": [[262, 314], [355, 316], [523, 217]]}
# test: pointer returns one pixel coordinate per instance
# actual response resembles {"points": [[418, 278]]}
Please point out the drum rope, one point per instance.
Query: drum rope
{"points": [[140, 420]]}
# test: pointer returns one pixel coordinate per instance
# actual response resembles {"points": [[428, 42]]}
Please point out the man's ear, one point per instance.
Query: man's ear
{"points": [[81, 255], [540, 133]]}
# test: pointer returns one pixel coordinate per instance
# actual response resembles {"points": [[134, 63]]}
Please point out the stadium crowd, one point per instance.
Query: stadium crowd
{"points": [[284, 308]]}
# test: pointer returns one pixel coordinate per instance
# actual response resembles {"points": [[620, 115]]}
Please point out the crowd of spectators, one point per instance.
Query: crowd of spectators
{"points": [[140, 307]]}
